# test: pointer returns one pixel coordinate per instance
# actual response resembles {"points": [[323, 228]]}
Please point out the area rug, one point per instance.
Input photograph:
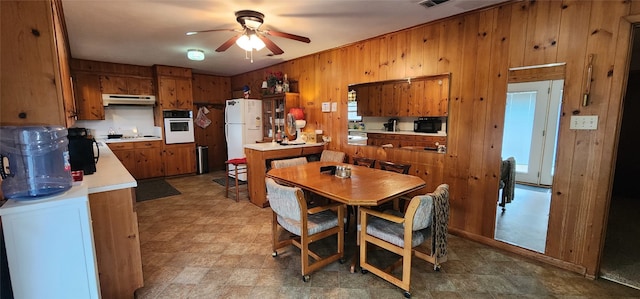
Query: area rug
{"points": [[154, 189], [232, 182]]}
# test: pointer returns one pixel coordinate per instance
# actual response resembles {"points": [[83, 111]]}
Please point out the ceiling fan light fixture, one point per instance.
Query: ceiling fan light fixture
{"points": [[195, 54], [249, 42]]}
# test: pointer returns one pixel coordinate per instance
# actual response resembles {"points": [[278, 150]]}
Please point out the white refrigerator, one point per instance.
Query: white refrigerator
{"points": [[243, 125]]}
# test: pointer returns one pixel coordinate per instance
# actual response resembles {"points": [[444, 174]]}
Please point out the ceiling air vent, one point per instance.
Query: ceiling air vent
{"points": [[430, 3]]}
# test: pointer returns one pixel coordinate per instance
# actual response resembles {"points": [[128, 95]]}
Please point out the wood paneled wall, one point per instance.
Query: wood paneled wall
{"points": [[212, 92], [477, 49]]}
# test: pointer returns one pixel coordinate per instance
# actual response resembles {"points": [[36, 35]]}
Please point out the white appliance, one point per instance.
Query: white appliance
{"points": [[50, 249], [243, 125], [178, 126], [123, 99]]}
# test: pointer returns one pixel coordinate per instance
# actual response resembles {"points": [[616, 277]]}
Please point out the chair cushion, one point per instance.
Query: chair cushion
{"points": [[237, 161], [391, 232], [315, 223]]}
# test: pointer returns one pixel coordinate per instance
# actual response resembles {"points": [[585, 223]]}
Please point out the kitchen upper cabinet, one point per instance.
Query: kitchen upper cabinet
{"points": [[36, 85], [175, 93], [174, 87], [111, 84], [179, 159], [88, 96], [414, 97]]}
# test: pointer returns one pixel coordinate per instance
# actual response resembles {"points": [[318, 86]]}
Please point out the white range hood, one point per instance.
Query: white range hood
{"points": [[123, 99]]}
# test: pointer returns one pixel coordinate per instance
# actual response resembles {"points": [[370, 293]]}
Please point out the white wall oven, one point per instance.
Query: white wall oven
{"points": [[178, 126]]}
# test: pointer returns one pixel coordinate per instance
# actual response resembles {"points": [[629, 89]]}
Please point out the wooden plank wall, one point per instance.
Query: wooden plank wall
{"points": [[477, 49], [212, 92]]}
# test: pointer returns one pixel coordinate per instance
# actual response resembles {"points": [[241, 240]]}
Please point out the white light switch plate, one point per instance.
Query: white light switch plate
{"points": [[334, 107], [587, 122], [326, 107]]}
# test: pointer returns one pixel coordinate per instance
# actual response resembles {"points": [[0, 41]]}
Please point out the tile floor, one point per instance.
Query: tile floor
{"points": [[202, 245]]}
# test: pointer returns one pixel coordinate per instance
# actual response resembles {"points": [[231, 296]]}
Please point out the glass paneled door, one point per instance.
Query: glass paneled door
{"points": [[531, 129]]}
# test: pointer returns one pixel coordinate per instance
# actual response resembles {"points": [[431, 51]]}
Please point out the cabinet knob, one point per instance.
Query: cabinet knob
{"points": [[131, 236], [22, 115]]}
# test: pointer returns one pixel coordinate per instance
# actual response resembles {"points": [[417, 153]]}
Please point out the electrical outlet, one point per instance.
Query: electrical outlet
{"points": [[587, 122]]}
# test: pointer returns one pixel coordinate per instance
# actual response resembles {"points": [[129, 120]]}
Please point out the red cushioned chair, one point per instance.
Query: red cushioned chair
{"points": [[237, 171]]}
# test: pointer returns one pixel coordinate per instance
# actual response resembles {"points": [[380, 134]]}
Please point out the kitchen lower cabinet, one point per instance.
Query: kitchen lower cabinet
{"points": [[117, 242], [142, 159], [179, 159], [50, 247]]}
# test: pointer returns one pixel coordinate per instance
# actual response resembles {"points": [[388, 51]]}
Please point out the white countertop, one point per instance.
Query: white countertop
{"points": [[271, 146], [136, 139], [110, 173]]}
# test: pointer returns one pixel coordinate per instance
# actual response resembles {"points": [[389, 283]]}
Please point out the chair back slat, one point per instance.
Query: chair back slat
{"points": [[395, 167], [362, 161]]}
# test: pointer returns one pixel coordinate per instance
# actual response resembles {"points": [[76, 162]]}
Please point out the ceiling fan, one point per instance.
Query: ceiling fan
{"points": [[251, 36]]}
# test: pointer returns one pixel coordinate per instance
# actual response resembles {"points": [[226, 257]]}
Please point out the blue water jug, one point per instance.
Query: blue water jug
{"points": [[34, 162]]}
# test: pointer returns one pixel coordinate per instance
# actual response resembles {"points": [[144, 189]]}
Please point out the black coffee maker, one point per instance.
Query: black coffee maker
{"points": [[81, 154], [391, 125]]}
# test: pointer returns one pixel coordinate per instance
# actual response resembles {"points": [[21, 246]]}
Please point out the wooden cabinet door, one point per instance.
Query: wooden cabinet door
{"points": [[140, 86], [401, 98], [436, 98], [416, 99], [36, 84], [179, 159], [184, 95], [362, 100], [117, 242], [113, 84], [148, 156], [175, 93], [128, 160], [388, 107], [149, 163], [375, 100], [88, 97]]}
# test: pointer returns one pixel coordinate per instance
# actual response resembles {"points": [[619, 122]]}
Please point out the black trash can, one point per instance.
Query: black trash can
{"points": [[202, 159]]}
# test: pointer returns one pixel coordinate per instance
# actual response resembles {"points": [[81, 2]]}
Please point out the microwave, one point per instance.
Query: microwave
{"points": [[427, 125]]}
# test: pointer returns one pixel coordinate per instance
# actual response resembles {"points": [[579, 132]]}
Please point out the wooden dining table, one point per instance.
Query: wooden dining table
{"points": [[366, 186]]}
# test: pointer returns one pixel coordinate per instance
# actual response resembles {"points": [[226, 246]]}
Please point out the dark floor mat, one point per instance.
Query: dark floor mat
{"points": [[232, 182], [154, 189]]}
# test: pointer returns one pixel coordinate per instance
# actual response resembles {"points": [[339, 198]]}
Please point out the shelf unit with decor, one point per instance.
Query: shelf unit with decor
{"points": [[274, 111]]}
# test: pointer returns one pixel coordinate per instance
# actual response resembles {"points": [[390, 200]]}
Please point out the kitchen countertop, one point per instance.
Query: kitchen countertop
{"points": [[110, 173], [130, 139], [270, 146]]}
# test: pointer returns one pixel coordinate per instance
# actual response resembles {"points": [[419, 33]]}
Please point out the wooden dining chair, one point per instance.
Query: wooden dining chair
{"points": [[399, 168], [288, 162], [290, 212], [332, 156], [426, 218], [362, 161], [395, 167]]}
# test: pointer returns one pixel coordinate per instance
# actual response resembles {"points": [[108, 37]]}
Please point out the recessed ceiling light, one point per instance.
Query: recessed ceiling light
{"points": [[195, 54]]}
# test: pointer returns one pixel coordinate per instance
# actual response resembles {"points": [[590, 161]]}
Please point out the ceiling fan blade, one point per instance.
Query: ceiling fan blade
{"points": [[271, 45], [288, 35], [227, 44], [210, 30]]}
